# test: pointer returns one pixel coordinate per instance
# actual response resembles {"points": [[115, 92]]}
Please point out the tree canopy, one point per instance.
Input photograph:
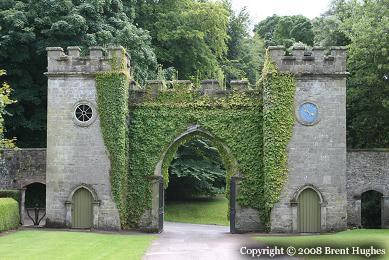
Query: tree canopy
{"points": [[285, 30], [28, 27]]}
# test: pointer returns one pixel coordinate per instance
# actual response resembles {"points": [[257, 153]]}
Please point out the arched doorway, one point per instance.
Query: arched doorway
{"points": [[34, 204], [82, 209], [228, 161], [309, 211], [371, 209]]}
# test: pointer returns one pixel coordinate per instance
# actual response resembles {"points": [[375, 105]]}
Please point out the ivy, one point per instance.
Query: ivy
{"points": [[234, 120], [251, 134], [112, 104], [278, 121]]}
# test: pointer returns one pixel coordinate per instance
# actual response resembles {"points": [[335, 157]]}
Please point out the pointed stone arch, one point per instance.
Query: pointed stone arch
{"points": [[69, 204], [294, 206], [192, 132]]}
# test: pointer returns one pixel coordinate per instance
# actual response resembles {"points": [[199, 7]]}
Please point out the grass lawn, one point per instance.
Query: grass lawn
{"points": [[199, 211], [376, 237], [72, 245]]}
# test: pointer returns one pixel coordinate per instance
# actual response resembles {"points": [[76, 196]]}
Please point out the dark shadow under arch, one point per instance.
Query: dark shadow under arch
{"points": [[35, 196], [371, 209]]}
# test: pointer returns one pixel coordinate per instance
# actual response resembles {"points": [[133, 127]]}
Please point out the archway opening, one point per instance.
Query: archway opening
{"points": [[35, 204], [309, 211], [197, 169], [197, 187], [371, 209]]}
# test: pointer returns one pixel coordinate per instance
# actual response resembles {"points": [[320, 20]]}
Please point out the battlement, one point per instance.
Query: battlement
{"points": [[170, 92], [207, 87], [315, 62], [99, 59]]}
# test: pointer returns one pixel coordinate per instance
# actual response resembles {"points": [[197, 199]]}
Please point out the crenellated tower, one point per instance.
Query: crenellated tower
{"points": [[314, 196], [78, 166]]}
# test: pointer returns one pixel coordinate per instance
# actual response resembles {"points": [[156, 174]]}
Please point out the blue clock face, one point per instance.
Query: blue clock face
{"points": [[308, 113]]}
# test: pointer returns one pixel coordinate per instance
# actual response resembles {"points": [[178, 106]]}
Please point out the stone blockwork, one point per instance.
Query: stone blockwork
{"points": [[21, 167], [317, 152], [367, 170], [76, 154]]}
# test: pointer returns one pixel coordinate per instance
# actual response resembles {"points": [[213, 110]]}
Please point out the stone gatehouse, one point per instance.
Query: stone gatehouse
{"points": [[325, 182]]}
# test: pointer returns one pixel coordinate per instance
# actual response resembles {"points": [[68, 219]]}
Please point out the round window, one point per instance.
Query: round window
{"points": [[84, 113]]}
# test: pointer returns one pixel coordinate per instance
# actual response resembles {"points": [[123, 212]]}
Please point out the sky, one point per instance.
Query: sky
{"points": [[260, 9]]}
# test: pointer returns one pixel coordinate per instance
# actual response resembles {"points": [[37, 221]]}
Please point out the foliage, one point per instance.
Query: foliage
{"points": [[328, 31], [188, 35], [5, 100], [285, 30], [37, 244], [28, 27], [112, 98], [14, 194], [9, 214], [245, 53], [196, 170], [155, 121], [211, 211], [365, 25], [278, 121]]}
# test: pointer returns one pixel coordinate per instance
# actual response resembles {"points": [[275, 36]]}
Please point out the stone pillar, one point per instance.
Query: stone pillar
{"points": [[323, 215], [294, 209], [96, 207], [68, 216], [22, 207], [385, 211], [357, 210]]}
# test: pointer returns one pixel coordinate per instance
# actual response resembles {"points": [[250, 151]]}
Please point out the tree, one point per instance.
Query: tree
{"points": [[196, 170], [190, 36], [366, 25], [245, 53], [5, 100], [28, 27], [285, 30]]}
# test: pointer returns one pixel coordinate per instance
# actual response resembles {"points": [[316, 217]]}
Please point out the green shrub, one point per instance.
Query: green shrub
{"points": [[15, 194], [9, 214]]}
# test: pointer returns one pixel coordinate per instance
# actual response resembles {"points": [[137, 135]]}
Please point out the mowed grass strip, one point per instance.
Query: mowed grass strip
{"points": [[198, 211], [351, 238], [72, 245]]}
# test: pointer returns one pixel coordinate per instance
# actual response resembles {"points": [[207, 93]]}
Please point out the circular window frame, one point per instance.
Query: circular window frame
{"points": [[84, 123], [303, 122]]}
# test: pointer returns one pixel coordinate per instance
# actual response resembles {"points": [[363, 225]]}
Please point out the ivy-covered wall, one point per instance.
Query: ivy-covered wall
{"points": [[235, 119], [138, 133], [278, 121], [112, 103]]}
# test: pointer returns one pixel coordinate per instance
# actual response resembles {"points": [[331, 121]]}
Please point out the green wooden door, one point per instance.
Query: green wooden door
{"points": [[82, 209], [309, 211]]}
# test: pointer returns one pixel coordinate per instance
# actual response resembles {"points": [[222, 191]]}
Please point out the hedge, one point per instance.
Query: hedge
{"points": [[15, 194], [9, 214]]}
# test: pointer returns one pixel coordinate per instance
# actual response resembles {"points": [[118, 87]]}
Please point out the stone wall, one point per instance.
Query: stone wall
{"points": [[21, 167], [316, 152], [76, 154], [367, 170]]}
